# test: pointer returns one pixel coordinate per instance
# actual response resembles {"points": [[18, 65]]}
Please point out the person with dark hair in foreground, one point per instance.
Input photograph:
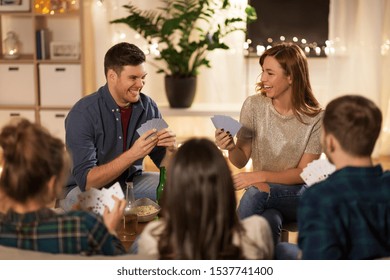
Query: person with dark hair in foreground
{"points": [[199, 219]]}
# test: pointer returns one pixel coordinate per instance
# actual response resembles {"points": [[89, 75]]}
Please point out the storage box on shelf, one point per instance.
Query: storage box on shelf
{"points": [[17, 86], [43, 83], [54, 120], [7, 114], [60, 84]]}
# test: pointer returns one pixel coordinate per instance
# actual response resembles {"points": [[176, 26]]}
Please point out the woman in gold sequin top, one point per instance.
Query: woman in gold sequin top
{"points": [[280, 133]]}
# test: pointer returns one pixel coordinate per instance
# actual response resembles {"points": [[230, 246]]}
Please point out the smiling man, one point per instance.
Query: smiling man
{"points": [[101, 130]]}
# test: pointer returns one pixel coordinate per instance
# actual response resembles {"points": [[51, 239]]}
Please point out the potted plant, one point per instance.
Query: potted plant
{"points": [[185, 32]]}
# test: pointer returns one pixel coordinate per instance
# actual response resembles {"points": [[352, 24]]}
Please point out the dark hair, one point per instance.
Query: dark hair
{"points": [[31, 156], [355, 122], [199, 205], [122, 54], [294, 63]]}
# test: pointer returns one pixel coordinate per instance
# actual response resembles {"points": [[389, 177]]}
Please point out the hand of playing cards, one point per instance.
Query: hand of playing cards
{"points": [[156, 123], [227, 123], [317, 171], [94, 200]]}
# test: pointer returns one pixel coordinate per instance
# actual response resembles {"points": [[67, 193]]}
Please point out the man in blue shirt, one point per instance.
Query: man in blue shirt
{"points": [[101, 130], [347, 216]]}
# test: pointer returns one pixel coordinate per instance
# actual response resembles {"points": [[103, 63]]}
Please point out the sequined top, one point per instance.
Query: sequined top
{"points": [[278, 142]]}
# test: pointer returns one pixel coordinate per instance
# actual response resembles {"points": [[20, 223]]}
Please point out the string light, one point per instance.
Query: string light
{"points": [[385, 48], [310, 48]]}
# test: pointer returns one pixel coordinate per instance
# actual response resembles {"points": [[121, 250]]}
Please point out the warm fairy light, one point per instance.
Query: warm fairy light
{"points": [[385, 48], [310, 48], [260, 49]]}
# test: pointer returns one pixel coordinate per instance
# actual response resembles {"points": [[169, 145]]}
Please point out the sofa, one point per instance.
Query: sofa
{"points": [[10, 253]]}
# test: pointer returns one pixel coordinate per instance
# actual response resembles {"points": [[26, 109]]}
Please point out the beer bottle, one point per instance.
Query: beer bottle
{"points": [[128, 227], [161, 184]]}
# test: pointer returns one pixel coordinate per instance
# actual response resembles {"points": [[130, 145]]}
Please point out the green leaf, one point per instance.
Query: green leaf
{"points": [[183, 30]]}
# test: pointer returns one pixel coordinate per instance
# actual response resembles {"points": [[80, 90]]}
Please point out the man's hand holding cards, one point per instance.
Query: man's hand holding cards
{"points": [[156, 123], [317, 171], [95, 200]]}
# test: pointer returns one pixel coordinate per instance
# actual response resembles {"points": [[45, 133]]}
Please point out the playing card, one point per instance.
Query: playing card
{"points": [[95, 200], [115, 190], [227, 123], [156, 123], [92, 200], [161, 124], [317, 171]]}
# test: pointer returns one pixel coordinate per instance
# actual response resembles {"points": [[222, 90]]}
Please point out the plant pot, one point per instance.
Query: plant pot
{"points": [[180, 91]]}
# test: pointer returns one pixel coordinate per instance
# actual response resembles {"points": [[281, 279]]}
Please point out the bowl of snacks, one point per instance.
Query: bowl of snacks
{"points": [[146, 209]]}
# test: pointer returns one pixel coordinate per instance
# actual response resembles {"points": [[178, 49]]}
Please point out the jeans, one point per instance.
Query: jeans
{"points": [[144, 186], [286, 251], [278, 206]]}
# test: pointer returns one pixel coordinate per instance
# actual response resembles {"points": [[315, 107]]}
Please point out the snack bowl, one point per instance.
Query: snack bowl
{"points": [[145, 205]]}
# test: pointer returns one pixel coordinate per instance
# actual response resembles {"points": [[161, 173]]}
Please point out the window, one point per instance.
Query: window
{"points": [[304, 22]]}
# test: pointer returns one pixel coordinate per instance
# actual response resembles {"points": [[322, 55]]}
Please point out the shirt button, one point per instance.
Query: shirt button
{"points": [[113, 110], [120, 137], [117, 119]]}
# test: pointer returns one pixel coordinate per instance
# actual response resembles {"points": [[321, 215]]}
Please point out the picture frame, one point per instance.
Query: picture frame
{"points": [[64, 50], [15, 5]]}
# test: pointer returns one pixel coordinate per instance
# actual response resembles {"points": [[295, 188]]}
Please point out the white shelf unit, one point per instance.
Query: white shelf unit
{"points": [[41, 89]]}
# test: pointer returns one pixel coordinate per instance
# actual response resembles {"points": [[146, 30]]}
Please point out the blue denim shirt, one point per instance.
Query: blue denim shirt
{"points": [[94, 134]]}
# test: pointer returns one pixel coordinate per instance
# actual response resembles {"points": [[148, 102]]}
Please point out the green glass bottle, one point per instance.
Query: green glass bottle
{"points": [[161, 184]]}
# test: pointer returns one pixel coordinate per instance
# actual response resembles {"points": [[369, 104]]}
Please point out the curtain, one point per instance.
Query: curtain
{"points": [[359, 56]]}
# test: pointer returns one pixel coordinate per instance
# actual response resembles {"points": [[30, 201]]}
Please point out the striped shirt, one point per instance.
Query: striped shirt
{"points": [[346, 216], [75, 232]]}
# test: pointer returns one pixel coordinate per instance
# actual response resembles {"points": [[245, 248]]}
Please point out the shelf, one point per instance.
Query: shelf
{"points": [[59, 61], [23, 58], [17, 14], [42, 90], [67, 14], [17, 107], [55, 108]]}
